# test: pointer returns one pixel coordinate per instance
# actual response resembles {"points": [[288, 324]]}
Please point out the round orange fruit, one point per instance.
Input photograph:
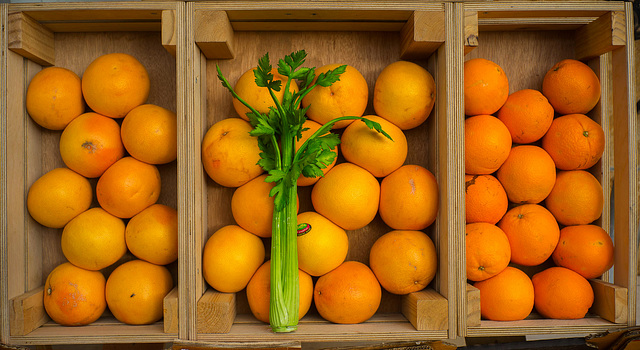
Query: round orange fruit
{"points": [[150, 133], [487, 250], [585, 249], [576, 198], [527, 114], [528, 174], [487, 143], [322, 245], [507, 296], [485, 199], [486, 87], [561, 293], [258, 97], [152, 234], [54, 97], [571, 87], [574, 141]]}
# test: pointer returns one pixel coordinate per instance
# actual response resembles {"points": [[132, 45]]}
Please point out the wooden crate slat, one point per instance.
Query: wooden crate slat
{"points": [[27, 312], [31, 39]]}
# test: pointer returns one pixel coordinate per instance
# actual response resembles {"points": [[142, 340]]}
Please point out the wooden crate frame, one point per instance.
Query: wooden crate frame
{"points": [[29, 37], [603, 39], [211, 30]]}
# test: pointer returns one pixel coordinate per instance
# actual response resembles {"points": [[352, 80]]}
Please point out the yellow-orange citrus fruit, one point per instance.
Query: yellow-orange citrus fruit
{"points": [[135, 292], [258, 97], [507, 296], [150, 134], [571, 87], [127, 187], [94, 239], [312, 127], [527, 114], [348, 294], [404, 94], [346, 97], [371, 149], [576, 199], [486, 87], [348, 195], [259, 292], [487, 250], [487, 143], [574, 141], [485, 199], [90, 144], [585, 249], [409, 198], [252, 207], [231, 256], [54, 97], [115, 83], [533, 233], [404, 261], [561, 293], [58, 196], [528, 174], [229, 154], [74, 296], [322, 245], [152, 234]]}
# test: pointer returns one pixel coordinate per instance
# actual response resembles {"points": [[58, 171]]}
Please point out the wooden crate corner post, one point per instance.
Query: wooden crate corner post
{"points": [[422, 34], [170, 311], [214, 34], [31, 39], [426, 310], [169, 31], [27, 312], [216, 312]]}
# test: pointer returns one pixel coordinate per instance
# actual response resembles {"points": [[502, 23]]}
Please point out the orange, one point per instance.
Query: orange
{"points": [[371, 149], [507, 296], [409, 198], [348, 195], [252, 206], [54, 97], [135, 292], [115, 83], [152, 234], [585, 249], [528, 174], [229, 154], [150, 134], [258, 97], [404, 94], [574, 141], [58, 196], [487, 143], [576, 199], [348, 294], [127, 187], [74, 296], [230, 257], [346, 97], [312, 127], [487, 250], [533, 233], [527, 114], [486, 87], [322, 245], [404, 261], [90, 144], [94, 240], [561, 293], [571, 87], [485, 199], [259, 292]]}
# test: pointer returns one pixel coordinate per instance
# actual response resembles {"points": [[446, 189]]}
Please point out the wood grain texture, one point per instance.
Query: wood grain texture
{"points": [[213, 34], [610, 301], [31, 39], [600, 36], [27, 312], [422, 34], [170, 311], [169, 28], [473, 306], [216, 312], [426, 310]]}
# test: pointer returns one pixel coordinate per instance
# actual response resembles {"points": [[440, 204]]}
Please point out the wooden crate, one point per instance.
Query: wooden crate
{"points": [[368, 36], [71, 35], [526, 39]]}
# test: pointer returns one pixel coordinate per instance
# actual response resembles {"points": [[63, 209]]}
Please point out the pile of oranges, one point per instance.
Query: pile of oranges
{"points": [[117, 145], [370, 178], [531, 201]]}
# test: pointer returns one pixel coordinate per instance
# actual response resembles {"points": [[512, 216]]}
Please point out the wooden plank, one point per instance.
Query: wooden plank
{"points": [[610, 301], [269, 26], [470, 31], [216, 312], [27, 312], [30, 39], [422, 34], [170, 311], [426, 310], [213, 34], [169, 31], [473, 306], [602, 35], [261, 345]]}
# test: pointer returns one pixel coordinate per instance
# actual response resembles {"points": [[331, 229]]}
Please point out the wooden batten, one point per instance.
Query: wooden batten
{"points": [[214, 34], [31, 39], [27, 312], [610, 301], [216, 312], [422, 34], [470, 31], [170, 311], [602, 35], [426, 310], [258, 345], [473, 306], [169, 28]]}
